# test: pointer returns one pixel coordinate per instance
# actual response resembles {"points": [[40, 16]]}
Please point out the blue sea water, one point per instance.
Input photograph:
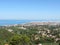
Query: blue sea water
{"points": [[11, 22]]}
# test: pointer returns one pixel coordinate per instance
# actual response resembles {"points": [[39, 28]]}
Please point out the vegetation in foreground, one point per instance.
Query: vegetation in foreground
{"points": [[30, 35]]}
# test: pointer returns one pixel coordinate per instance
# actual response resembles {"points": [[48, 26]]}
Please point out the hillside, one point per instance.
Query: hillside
{"points": [[35, 33]]}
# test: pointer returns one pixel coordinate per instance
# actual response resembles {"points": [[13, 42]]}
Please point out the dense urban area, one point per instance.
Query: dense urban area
{"points": [[34, 33]]}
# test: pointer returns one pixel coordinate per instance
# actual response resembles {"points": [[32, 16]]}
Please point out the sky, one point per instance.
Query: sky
{"points": [[30, 9]]}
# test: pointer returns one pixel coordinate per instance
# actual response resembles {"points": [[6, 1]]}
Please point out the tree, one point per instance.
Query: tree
{"points": [[20, 40]]}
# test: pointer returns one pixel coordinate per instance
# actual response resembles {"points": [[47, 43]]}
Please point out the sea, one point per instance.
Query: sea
{"points": [[12, 22]]}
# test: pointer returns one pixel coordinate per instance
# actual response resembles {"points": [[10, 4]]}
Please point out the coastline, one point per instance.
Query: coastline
{"points": [[16, 22]]}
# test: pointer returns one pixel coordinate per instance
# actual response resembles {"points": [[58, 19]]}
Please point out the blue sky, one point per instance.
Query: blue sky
{"points": [[30, 9]]}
